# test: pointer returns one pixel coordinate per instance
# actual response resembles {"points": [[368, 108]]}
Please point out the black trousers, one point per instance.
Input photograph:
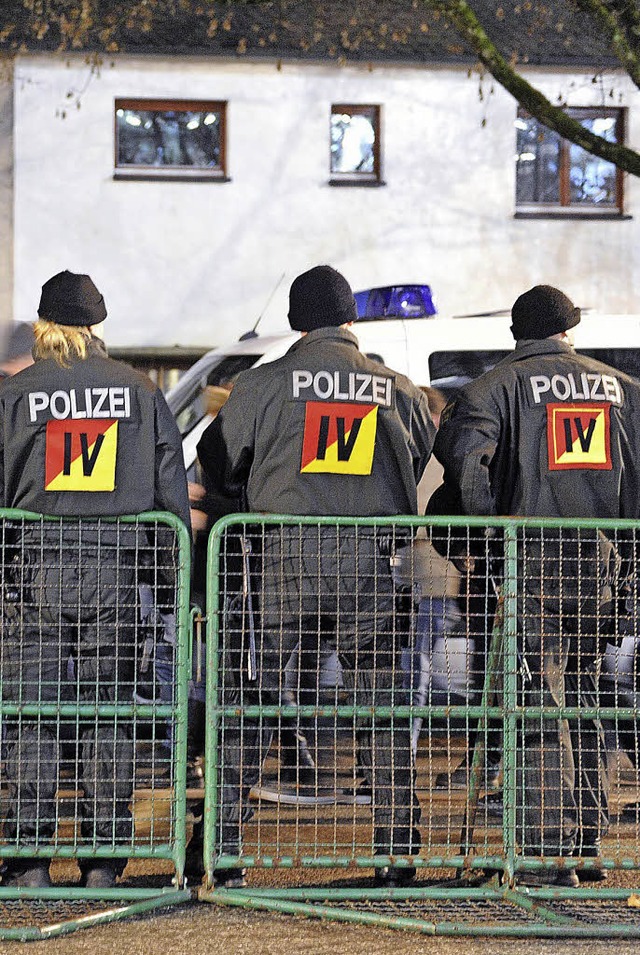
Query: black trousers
{"points": [[562, 782], [67, 637], [336, 589]]}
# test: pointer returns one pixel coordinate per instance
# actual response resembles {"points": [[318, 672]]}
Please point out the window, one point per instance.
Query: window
{"points": [[450, 370], [555, 176], [626, 360], [225, 371], [355, 145], [170, 139]]}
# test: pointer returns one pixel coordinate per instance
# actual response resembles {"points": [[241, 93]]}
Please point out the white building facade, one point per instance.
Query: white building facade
{"points": [[196, 262]]}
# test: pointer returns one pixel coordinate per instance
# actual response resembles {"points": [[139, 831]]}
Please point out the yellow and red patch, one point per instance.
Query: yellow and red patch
{"points": [[579, 436], [81, 455], [339, 438]]}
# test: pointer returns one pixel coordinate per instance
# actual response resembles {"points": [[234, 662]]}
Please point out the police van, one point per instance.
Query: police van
{"points": [[399, 327]]}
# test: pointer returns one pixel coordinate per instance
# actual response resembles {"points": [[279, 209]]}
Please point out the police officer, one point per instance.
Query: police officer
{"points": [[550, 433], [16, 353], [327, 431], [80, 436]]}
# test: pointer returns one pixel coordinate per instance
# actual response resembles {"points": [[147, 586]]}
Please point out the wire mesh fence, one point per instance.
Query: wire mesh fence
{"points": [[94, 667], [426, 723], [447, 696]]}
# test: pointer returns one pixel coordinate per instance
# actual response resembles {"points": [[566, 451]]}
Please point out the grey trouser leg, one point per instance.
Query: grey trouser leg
{"points": [[562, 790], [337, 589], [79, 604], [385, 747]]}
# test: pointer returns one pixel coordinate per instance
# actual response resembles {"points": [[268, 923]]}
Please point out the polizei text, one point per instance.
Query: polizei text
{"points": [[343, 386], [113, 402], [586, 386]]}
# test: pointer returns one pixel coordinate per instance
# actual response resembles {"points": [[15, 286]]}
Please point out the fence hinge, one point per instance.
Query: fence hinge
{"points": [[199, 619]]}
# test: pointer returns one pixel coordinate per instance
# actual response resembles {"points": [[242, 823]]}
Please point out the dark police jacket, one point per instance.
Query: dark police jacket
{"points": [[324, 430], [546, 433], [94, 439]]}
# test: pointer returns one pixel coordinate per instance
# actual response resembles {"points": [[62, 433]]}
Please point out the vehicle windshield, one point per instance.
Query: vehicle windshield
{"points": [[450, 370], [626, 360], [395, 301], [223, 374]]}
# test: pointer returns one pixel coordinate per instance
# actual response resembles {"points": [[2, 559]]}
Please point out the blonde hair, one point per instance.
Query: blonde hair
{"points": [[436, 399], [63, 343], [215, 397]]}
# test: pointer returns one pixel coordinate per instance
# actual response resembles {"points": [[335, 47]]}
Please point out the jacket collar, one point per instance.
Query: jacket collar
{"points": [[330, 333], [528, 347], [95, 346]]}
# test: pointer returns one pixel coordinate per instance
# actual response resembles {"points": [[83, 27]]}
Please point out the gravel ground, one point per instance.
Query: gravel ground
{"points": [[215, 930], [195, 928], [207, 928]]}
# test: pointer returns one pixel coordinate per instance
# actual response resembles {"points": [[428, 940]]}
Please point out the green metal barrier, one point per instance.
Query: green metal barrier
{"points": [[510, 743], [95, 661]]}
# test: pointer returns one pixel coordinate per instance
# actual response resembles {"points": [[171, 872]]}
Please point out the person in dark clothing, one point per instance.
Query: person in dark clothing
{"points": [[549, 433], [326, 431], [16, 353], [473, 614], [207, 506], [80, 436]]}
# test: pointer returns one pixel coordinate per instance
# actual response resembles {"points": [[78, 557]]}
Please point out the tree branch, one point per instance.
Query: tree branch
{"points": [[616, 31], [628, 14], [553, 117]]}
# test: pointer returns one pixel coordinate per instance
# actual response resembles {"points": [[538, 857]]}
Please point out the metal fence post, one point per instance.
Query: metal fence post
{"points": [[334, 834], [86, 647], [510, 698]]}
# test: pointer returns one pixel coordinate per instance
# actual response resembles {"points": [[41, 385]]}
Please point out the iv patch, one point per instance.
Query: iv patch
{"points": [[80, 455], [339, 438], [579, 436]]}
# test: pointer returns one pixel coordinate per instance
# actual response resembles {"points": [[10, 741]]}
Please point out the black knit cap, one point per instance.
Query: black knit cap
{"points": [[320, 298], [541, 312], [71, 299]]}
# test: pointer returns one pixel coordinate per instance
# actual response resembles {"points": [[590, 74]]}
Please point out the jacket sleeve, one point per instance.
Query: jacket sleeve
{"points": [[226, 449], [629, 448], [170, 478], [466, 445], [2, 494], [424, 433]]}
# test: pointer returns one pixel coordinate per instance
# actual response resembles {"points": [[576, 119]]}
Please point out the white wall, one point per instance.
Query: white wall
{"points": [[6, 195], [194, 263]]}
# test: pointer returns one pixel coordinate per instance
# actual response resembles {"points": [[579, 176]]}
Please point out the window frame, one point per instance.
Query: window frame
{"points": [[173, 173], [564, 208], [356, 178]]}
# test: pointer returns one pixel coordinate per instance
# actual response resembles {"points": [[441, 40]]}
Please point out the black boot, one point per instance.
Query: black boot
{"points": [[27, 874], [194, 862], [590, 871], [394, 876], [294, 755], [99, 877]]}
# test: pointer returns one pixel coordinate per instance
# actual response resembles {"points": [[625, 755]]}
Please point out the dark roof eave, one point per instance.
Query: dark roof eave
{"points": [[342, 58]]}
